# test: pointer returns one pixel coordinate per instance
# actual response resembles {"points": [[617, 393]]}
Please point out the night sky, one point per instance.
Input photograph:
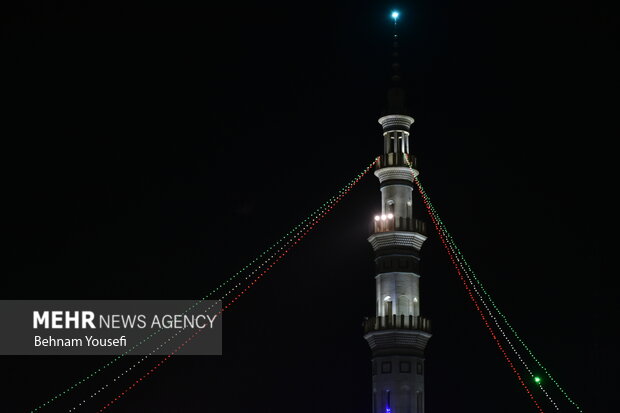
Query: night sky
{"points": [[153, 148]]}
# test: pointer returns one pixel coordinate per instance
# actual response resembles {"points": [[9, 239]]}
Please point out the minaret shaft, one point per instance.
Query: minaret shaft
{"points": [[397, 335]]}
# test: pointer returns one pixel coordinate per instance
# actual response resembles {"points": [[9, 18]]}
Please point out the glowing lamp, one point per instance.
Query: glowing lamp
{"points": [[377, 217], [383, 217], [395, 15], [390, 216], [537, 379]]}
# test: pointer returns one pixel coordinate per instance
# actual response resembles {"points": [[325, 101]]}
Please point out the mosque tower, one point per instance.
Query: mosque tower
{"points": [[397, 334]]}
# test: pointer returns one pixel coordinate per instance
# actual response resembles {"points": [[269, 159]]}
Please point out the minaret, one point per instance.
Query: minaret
{"points": [[397, 335]]}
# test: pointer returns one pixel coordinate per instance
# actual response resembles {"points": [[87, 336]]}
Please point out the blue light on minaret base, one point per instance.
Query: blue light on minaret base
{"points": [[397, 335]]}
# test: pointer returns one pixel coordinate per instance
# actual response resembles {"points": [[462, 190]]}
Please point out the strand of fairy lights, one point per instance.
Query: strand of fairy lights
{"points": [[501, 330], [497, 324], [198, 302], [531, 354], [454, 248], [310, 225], [507, 323], [269, 267], [331, 201], [183, 329], [450, 244], [495, 321], [480, 311], [295, 237], [459, 271], [194, 305], [467, 269], [179, 331], [252, 284]]}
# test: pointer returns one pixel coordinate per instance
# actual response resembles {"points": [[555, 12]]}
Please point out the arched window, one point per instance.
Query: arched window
{"points": [[404, 305], [387, 306]]}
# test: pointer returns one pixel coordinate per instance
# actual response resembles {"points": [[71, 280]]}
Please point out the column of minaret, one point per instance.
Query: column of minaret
{"points": [[397, 335]]}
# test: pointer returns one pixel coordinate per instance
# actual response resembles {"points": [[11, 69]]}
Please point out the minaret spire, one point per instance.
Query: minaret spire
{"points": [[396, 94]]}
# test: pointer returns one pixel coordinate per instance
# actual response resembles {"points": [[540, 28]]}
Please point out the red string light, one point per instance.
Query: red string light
{"points": [[473, 299], [227, 306]]}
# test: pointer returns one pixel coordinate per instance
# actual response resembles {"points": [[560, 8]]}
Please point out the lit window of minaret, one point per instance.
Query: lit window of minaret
{"points": [[397, 335]]}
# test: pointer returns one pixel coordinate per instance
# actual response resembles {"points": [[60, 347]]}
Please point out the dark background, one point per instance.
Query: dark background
{"points": [[151, 149]]}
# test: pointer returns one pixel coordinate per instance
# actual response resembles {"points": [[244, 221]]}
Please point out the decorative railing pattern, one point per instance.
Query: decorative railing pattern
{"points": [[397, 322]]}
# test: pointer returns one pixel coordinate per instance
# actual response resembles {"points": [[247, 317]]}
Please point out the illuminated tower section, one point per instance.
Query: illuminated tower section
{"points": [[397, 335]]}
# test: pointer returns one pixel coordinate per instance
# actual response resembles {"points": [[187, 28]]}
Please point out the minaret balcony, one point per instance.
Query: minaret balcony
{"points": [[390, 223], [397, 322], [396, 159]]}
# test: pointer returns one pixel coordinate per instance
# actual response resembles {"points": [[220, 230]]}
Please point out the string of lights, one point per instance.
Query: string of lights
{"points": [[501, 330], [268, 260], [476, 304], [466, 268], [99, 370], [92, 395], [236, 298], [531, 354], [450, 244], [290, 240], [292, 236]]}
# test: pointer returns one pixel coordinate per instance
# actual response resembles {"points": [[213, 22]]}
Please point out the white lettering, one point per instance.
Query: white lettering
{"points": [[212, 319], [57, 319], [87, 319], [106, 342], [38, 318], [75, 319], [57, 342]]}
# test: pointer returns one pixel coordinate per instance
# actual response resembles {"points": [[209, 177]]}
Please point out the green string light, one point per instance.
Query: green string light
{"points": [[461, 257], [494, 305], [272, 259], [457, 261], [291, 242], [324, 207]]}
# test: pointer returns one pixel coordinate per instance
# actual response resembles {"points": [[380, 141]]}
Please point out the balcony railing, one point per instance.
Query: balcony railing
{"points": [[388, 223], [396, 159], [397, 322]]}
